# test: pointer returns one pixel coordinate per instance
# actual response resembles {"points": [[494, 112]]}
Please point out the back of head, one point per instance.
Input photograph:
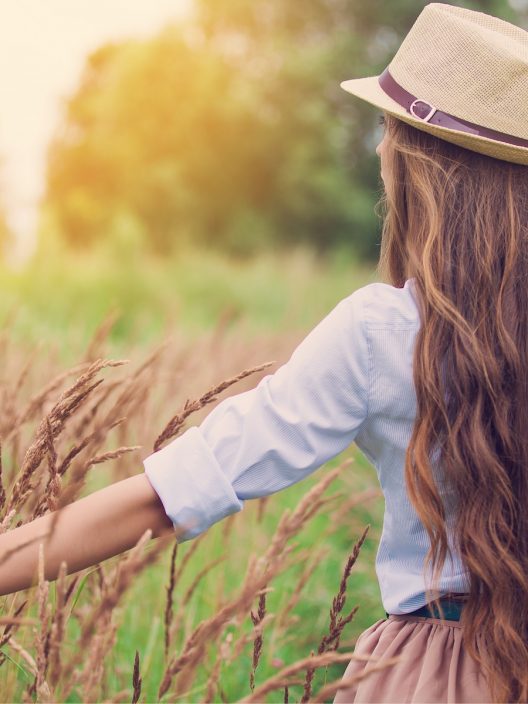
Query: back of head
{"points": [[457, 221]]}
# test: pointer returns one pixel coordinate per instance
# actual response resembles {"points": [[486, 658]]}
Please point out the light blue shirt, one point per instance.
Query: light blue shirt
{"points": [[349, 380]]}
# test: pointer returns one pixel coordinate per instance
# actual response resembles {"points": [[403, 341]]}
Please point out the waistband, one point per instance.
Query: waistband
{"points": [[452, 607]]}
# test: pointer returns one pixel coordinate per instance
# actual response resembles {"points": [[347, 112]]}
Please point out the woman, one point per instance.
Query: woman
{"points": [[427, 373]]}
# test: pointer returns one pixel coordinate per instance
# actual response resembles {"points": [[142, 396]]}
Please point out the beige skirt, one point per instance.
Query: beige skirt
{"points": [[434, 667]]}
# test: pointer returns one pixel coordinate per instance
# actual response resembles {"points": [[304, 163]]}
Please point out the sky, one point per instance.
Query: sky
{"points": [[43, 46]]}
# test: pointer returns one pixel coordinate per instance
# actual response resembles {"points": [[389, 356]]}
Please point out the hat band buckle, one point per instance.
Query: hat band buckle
{"points": [[426, 118]]}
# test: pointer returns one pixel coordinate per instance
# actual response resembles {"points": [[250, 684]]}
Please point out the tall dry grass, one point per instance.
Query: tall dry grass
{"points": [[57, 428]]}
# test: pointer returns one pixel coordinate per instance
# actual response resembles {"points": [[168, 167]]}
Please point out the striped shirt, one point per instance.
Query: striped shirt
{"points": [[350, 380]]}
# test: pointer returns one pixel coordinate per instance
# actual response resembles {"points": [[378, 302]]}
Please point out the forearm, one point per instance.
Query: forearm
{"points": [[90, 530]]}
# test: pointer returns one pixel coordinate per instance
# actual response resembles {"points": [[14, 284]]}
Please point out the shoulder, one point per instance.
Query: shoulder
{"points": [[376, 306], [380, 305]]}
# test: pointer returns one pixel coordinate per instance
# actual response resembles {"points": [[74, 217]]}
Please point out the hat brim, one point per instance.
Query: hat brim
{"points": [[369, 89]]}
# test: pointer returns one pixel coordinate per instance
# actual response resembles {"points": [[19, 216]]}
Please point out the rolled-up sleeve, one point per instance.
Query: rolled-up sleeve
{"points": [[265, 439]]}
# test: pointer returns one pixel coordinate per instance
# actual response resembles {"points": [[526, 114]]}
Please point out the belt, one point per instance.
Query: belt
{"points": [[452, 608]]}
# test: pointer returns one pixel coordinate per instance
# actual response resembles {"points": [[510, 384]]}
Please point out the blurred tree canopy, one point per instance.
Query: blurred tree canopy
{"points": [[231, 130]]}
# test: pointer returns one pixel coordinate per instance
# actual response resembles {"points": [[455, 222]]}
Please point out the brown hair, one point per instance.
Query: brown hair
{"points": [[457, 222]]}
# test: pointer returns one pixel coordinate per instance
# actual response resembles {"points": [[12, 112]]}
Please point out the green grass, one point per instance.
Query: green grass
{"points": [[57, 296], [312, 612], [140, 613], [59, 302]]}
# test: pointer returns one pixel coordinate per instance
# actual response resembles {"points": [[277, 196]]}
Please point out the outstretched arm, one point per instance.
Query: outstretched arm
{"points": [[90, 530], [250, 445]]}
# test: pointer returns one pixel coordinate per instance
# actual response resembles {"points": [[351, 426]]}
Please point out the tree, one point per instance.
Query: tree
{"points": [[231, 130]]}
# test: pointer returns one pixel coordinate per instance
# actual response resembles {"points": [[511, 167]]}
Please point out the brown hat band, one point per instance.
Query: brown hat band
{"points": [[423, 110]]}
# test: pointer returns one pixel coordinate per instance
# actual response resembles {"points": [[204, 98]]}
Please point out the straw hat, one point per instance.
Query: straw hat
{"points": [[462, 76]]}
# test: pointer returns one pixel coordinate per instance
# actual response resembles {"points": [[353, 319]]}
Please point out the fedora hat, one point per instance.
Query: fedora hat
{"points": [[462, 76]]}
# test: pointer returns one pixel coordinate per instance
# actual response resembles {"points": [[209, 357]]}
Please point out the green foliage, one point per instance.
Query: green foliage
{"points": [[231, 130], [50, 310], [61, 293]]}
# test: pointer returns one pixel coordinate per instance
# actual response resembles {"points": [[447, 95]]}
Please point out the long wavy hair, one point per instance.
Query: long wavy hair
{"points": [[457, 222]]}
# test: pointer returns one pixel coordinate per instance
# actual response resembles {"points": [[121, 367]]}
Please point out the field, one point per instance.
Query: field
{"points": [[223, 614]]}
